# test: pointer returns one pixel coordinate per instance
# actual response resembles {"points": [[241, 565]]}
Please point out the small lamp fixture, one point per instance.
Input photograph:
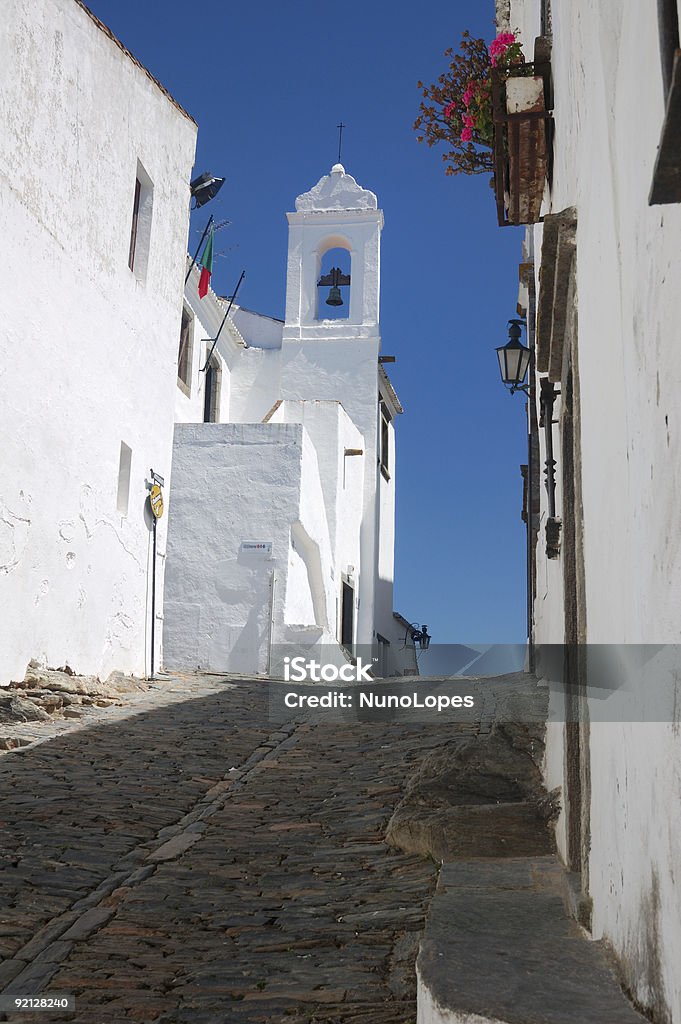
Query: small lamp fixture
{"points": [[204, 188], [421, 636], [514, 359]]}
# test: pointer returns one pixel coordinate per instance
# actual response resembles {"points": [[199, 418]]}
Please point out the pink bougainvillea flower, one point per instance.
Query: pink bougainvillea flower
{"points": [[468, 120], [499, 45], [449, 109], [466, 135], [469, 93]]}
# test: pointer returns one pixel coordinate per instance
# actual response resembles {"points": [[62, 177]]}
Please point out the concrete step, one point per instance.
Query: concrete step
{"points": [[500, 948]]}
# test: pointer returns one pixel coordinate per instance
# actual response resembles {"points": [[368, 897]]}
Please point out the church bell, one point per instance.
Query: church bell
{"points": [[334, 280]]}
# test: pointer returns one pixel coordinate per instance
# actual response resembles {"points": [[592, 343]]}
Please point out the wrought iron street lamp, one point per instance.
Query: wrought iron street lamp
{"points": [[204, 188], [514, 359], [421, 636]]}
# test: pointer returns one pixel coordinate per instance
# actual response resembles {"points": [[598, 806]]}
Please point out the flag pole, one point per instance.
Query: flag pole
{"points": [[205, 232], [231, 302]]}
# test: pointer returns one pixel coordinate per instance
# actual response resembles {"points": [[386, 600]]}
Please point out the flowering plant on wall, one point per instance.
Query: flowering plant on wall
{"points": [[458, 107]]}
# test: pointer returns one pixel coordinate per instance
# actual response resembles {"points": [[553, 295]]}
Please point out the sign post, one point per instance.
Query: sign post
{"points": [[156, 505]]}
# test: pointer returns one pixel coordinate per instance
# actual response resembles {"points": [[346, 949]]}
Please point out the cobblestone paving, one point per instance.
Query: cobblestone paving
{"points": [[197, 863]]}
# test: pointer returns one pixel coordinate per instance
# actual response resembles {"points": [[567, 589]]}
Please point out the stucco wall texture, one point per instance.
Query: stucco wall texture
{"points": [[228, 604], [89, 347], [609, 111]]}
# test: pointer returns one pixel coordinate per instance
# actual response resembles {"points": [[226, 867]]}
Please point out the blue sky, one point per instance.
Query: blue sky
{"points": [[267, 84]]}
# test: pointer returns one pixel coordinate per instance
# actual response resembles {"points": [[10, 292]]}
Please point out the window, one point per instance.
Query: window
{"points": [[384, 440], [124, 463], [382, 665], [135, 220], [347, 623], [211, 398], [666, 187], [184, 355], [140, 230], [668, 27]]}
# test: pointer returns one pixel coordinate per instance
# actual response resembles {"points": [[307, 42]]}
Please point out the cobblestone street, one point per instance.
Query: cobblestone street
{"points": [[197, 863]]}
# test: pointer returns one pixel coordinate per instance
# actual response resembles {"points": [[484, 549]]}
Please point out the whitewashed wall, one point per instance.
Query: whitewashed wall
{"points": [[236, 483], [332, 433], [259, 330], [88, 348], [609, 109]]}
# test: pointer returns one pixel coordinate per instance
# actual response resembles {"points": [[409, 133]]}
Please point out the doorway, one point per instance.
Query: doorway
{"points": [[347, 615]]}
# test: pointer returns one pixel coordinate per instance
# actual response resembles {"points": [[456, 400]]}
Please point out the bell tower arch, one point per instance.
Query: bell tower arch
{"points": [[335, 279]]}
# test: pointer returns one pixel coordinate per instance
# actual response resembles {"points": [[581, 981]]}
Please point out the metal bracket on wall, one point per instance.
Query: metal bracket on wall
{"points": [[554, 525]]}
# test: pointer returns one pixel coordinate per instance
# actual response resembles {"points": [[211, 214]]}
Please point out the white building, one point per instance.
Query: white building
{"points": [[283, 499], [604, 290], [95, 161]]}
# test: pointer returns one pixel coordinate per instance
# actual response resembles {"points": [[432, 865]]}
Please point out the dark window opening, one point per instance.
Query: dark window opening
{"points": [[668, 27], [135, 221], [347, 615], [211, 401], [185, 350], [140, 229]]}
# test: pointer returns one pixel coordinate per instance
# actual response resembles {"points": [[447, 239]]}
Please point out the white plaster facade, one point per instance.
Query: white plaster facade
{"points": [[318, 409], [620, 773], [89, 346]]}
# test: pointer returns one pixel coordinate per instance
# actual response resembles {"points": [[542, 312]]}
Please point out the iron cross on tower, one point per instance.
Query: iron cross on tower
{"points": [[340, 128]]}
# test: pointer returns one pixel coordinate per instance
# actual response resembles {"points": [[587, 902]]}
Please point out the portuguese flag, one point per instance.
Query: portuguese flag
{"points": [[206, 264]]}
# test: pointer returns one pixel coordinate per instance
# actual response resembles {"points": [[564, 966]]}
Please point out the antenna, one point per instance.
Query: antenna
{"points": [[219, 225]]}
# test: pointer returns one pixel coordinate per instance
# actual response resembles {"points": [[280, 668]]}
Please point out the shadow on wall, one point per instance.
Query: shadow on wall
{"points": [[242, 644], [308, 550]]}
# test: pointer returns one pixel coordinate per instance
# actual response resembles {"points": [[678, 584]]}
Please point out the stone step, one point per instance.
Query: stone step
{"points": [[500, 948]]}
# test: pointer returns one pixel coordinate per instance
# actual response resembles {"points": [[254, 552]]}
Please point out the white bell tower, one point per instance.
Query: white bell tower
{"points": [[336, 214], [335, 358]]}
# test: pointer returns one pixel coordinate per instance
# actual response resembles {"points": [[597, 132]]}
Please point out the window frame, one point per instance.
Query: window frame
{"points": [[666, 184], [385, 419], [124, 475], [140, 229], [211, 396], [135, 221], [185, 351]]}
